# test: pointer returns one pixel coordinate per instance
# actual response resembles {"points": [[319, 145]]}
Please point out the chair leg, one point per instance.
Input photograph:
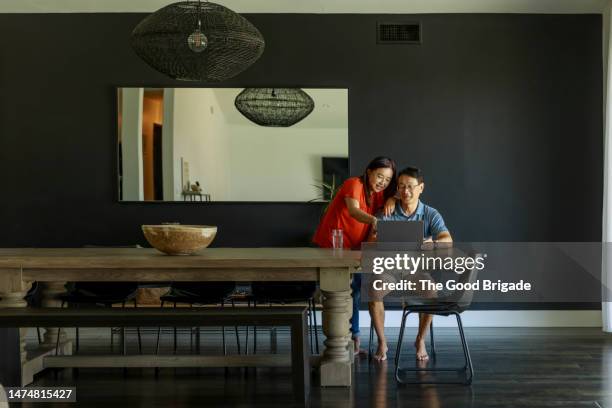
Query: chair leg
{"points": [[254, 331], [310, 324], [236, 330], [123, 336], [38, 334], [433, 341], [316, 330], [399, 344], [467, 368], [246, 345], [223, 333], [466, 351], [273, 342], [174, 333], [58, 337], [158, 335], [370, 348], [191, 333], [138, 331]]}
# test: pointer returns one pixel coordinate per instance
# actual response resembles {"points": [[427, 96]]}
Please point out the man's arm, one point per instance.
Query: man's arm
{"points": [[444, 236]]}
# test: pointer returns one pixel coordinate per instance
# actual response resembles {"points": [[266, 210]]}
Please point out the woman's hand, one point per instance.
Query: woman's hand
{"points": [[374, 224], [389, 206]]}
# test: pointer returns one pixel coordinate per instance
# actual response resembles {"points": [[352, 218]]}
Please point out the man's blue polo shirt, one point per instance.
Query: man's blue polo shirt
{"points": [[432, 220]]}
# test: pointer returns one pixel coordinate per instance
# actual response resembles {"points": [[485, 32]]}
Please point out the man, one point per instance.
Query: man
{"points": [[410, 186]]}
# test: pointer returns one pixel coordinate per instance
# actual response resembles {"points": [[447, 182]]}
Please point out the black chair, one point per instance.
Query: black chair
{"points": [[104, 294], [101, 294], [448, 304], [198, 293], [287, 293]]}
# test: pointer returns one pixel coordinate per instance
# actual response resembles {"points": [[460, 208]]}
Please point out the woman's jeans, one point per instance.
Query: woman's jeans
{"points": [[356, 287]]}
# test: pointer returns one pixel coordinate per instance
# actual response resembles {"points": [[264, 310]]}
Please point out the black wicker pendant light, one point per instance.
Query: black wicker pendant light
{"points": [[197, 41], [278, 107]]}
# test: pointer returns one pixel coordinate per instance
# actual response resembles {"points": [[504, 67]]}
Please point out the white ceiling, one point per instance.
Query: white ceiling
{"points": [[316, 6]]}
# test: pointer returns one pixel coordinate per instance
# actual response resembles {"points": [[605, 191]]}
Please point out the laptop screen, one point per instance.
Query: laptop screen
{"points": [[400, 231]]}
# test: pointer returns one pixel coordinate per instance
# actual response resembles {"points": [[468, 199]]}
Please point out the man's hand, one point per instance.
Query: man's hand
{"points": [[389, 206]]}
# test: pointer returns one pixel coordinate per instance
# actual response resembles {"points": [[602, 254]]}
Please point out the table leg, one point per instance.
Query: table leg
{"points": [[336, 365], [12, 340], [49, 294]]}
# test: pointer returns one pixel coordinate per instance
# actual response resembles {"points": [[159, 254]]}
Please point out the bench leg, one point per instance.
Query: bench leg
{"points": [[10, 362], [300, 361], [12, 340]]}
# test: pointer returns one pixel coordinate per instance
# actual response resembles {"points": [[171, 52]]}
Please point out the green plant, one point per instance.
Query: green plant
{"points": [[327, 192]]}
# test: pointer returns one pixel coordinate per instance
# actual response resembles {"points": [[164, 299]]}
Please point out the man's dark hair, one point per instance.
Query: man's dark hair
{"points": [[413, 172]]}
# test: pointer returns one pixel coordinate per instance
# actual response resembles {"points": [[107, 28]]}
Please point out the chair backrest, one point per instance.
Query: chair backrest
{"points": [[461, 299]]}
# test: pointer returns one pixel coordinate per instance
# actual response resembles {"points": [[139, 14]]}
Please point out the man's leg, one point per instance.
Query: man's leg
{"points": [[421, 349], [377, 314]]}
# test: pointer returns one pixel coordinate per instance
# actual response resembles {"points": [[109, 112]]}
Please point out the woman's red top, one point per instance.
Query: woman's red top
{"points": [[338, 217]]}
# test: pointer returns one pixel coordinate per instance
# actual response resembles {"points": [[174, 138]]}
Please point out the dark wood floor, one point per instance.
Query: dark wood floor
{"points": [[514, 368]]}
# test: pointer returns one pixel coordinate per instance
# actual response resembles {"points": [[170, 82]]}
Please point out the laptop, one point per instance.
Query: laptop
{"points": [[408, 233]]}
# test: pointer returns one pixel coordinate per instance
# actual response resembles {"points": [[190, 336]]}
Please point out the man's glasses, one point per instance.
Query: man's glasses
{"points": [[409, 187]]}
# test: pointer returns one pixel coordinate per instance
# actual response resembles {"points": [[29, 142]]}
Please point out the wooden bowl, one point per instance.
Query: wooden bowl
{"points": [[176, 239]]}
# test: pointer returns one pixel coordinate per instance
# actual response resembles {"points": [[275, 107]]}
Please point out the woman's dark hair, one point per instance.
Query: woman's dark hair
{"points": [[380, 162]]}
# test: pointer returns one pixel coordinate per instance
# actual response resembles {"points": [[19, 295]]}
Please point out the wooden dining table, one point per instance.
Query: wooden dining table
{"points": [[53, 267]]}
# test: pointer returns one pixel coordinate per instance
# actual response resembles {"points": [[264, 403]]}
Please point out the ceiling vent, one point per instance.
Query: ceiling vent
{"points": [[398, 33]]}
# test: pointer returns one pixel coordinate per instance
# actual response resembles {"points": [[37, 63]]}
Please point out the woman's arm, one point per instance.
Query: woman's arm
{"points": [[358, 214]]}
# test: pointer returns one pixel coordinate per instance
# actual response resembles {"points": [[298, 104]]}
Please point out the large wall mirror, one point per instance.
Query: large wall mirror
{"points": [[193, 144]]}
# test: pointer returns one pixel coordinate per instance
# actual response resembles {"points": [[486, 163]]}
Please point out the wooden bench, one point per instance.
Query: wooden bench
{"points": [[294, 317]]}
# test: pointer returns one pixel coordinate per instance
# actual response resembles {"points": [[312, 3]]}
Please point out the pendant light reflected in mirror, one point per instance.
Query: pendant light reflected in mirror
{"points": [[275, 107]]}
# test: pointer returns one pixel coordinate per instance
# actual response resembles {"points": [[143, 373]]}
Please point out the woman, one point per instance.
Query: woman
{"points": [[352, 211]]}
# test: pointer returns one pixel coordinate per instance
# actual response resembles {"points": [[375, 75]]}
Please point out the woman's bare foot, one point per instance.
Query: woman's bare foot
{"points": [[381, 352], [357, 350], [421, 349]]}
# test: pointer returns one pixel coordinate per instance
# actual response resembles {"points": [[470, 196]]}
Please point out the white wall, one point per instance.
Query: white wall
{"points": [[201, 140], [288, 159], [131, 143]]}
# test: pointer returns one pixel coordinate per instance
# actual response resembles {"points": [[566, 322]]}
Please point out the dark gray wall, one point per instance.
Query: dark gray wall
{"points": [[503, 112]]}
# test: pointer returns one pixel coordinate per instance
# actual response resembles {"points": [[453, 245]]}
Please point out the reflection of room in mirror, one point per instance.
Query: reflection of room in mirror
{"points": [[232, 158]]}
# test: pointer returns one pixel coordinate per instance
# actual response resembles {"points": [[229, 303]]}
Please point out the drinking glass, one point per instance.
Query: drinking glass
{"points": [[337, 239]]}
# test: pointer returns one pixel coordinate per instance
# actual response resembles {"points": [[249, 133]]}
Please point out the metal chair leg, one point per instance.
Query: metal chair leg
{"points": [[370, 348], [399, 344], [467, 368], [254, 331], [246, 346], [466, 351], [273, 342], [58, 334], [316, 330], [310, 324], [433, 341], [138, 331], [236, 330], [174, 333], [158, 335], [223, 333], [123, 337]]}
